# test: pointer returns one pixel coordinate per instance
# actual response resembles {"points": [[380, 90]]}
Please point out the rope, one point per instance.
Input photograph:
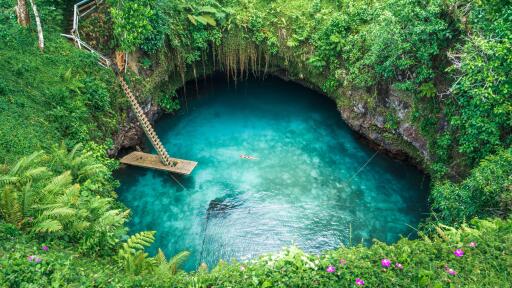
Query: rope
{"points": [[179, 183], [362, 167]]}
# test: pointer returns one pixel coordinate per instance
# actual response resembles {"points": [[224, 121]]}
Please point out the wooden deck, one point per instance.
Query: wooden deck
{"points": [[151, 161]]}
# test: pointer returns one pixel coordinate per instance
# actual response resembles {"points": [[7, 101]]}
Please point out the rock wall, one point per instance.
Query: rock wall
{"points": [[384, 119], [400, 139], [130, 134]]}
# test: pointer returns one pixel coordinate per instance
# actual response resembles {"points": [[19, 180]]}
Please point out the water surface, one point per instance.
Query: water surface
{"points": [[296, 191]]}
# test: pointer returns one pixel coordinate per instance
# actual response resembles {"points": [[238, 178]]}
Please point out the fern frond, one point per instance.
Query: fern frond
{"points": [[36, 173], [139, 241], [26, 162], [26, 196], [48, 226], [92, 170], [74, 152], [71, 195], [111, 219], [79, 226], [57, 184], [177, 261], [61, 212], [9, 180], [160, 257], [9, 206]]}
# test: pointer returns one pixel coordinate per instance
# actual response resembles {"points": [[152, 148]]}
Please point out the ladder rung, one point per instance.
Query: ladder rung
{"points": [[144, 122]]}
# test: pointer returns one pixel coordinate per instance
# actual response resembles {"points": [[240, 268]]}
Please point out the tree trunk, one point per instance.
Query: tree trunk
{"points": [[39, 27], [22, 13]]}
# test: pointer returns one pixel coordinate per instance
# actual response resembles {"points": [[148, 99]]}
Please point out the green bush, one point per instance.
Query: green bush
{"points": [[486, 192], [487, 247], [46, 98], [64, 195], [453, 57]]}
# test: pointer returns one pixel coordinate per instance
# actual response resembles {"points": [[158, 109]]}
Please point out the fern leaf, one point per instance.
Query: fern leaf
{"points": [[141, 240], [58, 184], [48, 226], [160, 257], [61, 212], [177, 261]]}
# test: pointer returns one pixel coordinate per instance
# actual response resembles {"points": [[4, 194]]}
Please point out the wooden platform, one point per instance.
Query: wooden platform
{"points": [[151, 161]]}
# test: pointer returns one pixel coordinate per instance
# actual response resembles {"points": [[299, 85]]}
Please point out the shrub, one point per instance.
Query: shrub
{"points": [[486, 192]]}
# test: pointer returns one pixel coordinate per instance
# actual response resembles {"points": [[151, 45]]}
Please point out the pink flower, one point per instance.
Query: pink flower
{"points": [[359, 282], [458, 253], [45, 248], [343, 262], [472, 244], [35, 259], [399, 266], [385, 263], [450, 271], [330, 269]]}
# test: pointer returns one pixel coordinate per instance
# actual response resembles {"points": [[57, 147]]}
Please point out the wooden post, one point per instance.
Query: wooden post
{"points": [[39, 27], [22, 13], [120, 60]]}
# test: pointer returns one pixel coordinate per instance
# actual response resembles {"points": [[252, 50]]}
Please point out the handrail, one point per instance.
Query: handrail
{"points": [[78, 8], [88, 6]]}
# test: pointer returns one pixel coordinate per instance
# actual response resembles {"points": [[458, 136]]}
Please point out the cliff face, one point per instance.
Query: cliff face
{"points": [[385, 124], [382, 116], [130, 134]]}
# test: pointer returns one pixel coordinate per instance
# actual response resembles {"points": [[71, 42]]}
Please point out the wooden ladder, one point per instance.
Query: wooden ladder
{"points": [[148, 129], [161, 162]]}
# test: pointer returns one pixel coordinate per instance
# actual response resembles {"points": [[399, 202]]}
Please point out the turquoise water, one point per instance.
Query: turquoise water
{"points": [[296, 191]]}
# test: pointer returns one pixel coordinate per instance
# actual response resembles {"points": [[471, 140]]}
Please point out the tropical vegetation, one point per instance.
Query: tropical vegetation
{"points": [[448, 61]]}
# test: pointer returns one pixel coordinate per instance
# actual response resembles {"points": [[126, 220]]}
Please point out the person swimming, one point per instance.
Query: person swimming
{"points": [[248, 157]]}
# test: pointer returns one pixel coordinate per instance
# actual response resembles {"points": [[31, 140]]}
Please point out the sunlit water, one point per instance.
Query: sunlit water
{"points": [[296, 191]]}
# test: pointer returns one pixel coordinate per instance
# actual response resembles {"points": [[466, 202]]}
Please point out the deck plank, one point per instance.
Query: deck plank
{"points": [[140, 159]]}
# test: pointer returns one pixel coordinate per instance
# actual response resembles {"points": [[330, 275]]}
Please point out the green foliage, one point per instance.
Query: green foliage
{"points": [[132, 22], [424, 264], [89, 167], [57, 206], [61, 266], [137, 262], [132, 255], [486, 192], [169, 103], [66, 196], [480, 108], [207, 15], [60, 95], [18, 188]]}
